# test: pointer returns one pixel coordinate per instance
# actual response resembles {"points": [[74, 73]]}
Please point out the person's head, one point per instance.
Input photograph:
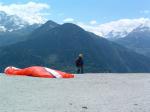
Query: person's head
{"points": [[81, 55]]}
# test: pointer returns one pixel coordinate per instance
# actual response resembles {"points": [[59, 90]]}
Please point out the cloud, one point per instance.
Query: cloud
{"points": [[68, 20], [31, 12], [93, 22], [120, 26], [91, 28]]}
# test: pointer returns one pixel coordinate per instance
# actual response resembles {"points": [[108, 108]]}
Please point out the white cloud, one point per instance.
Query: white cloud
{"points": [[31, 12], [68, 20], [117, 27], [93, 22], [91, 28]]}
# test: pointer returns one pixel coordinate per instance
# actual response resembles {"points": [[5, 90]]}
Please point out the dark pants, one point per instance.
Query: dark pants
{"points": [[80, 69]]}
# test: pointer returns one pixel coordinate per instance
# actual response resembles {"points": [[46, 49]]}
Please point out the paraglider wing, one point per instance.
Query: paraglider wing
{"points": [[37, 71]]}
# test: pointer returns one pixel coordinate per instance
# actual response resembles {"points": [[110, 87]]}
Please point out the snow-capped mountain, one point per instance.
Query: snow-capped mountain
{"points": [[125, 27], [122, 28], [13, 29], [138, 40], [11, 22], [116, 34], [117, 29], [142, 29]]}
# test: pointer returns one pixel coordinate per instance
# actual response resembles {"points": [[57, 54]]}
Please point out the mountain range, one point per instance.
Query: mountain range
{"points": [[58, 45], [120, 28], [13, 29], [138, 40], [10, 23]]}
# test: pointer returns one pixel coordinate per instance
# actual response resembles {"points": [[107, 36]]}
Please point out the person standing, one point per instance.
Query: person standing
{"points": [[79, 63]]}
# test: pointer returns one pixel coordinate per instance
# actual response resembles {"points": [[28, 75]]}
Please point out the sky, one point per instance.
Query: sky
{"points": [[90, 14]]}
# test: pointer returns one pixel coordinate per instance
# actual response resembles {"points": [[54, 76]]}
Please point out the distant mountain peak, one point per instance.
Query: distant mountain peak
{"points": [[117, 29], [11, 22], [45, 27], [72, 26], [50, 24], [142, 29]]}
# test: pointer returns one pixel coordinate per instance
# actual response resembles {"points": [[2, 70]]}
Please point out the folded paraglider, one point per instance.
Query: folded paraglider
{"points": [[37, 71]]}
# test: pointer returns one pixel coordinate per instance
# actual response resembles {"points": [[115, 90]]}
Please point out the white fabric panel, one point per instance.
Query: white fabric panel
{"points": [[53, 72]]}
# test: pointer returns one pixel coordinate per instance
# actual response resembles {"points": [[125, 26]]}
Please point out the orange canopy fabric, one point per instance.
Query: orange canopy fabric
{"points": [[37, 71]]}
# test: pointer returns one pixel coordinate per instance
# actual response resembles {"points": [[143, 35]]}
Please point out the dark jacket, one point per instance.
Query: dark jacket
{"points": [[79, 62]]}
